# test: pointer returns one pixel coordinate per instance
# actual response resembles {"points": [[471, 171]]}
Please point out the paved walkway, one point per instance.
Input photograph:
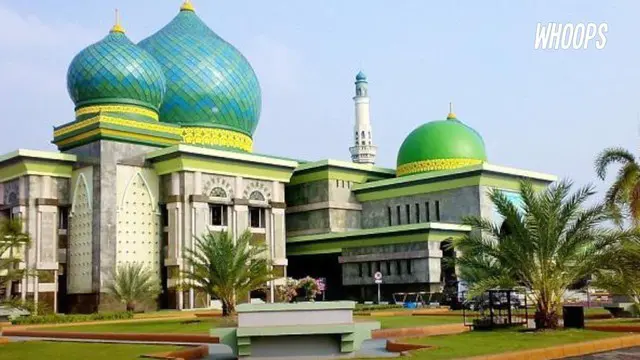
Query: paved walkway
{"points": [[622, 354]]}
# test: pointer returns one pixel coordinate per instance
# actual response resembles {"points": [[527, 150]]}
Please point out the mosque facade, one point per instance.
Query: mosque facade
{"points": [[160, 152]]}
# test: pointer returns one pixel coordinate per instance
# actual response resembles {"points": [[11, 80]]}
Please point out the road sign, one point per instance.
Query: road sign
{"points": [[377, 277]]}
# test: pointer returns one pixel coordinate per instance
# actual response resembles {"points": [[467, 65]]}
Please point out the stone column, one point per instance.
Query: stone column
{"points": [[200, 223], [46, 241]]}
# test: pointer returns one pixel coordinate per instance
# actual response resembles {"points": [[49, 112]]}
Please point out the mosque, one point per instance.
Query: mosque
{"points": [[160, 151]]}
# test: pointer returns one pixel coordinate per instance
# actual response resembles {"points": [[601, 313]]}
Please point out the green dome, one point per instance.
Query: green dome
{"points": [[115, 71], [440, 145]]}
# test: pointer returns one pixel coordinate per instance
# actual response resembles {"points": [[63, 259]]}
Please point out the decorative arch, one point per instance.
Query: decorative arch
{"points": [[256, 195], [139, 183], [11, 190], [215, 183], [257, 186], [80, 192], [218, 192], [138, 228], [80, 248]]}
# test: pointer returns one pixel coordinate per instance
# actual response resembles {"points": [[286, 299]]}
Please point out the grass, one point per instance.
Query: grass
{"points": [[203, 325], [184, 326], [493, 342], [619, 321], [36, 350], [395, 322]]}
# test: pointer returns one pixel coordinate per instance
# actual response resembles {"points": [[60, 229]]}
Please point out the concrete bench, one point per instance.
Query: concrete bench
{"points": [[298, 330]]}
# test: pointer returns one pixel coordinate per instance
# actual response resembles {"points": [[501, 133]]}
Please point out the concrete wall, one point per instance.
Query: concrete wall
{"points": [[105, 156], [454, 205], [295, 347], [35, 199], [322, 206], [424, 258]]}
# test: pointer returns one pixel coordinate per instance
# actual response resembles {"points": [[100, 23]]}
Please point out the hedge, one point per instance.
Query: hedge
{"points": [[362, 307], [61, 318]]}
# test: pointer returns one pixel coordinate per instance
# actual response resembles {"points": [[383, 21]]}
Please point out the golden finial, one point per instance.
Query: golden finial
{"points": [[451, 114], [117, 27], [187, 6]]}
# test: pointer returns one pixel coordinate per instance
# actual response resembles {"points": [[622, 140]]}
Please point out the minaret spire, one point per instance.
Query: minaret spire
{"points": [[117, 27], [364, 150]]}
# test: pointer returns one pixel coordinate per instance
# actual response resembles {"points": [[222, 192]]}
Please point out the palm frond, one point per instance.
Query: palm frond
{"points": [[610, 156], [225, 268]]}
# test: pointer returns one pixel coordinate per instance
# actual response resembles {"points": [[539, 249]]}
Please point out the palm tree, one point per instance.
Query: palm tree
{"points": [[620, 274], [224, 268], [12, 240], [549, 244], [133, 283], [624, 195]]}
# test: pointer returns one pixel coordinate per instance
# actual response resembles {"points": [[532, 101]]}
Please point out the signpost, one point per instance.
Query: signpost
{"points": [[378, 280]]}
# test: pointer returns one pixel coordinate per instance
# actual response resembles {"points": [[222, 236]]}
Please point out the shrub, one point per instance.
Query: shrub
{"points": [[367, 308], [62, 319]]}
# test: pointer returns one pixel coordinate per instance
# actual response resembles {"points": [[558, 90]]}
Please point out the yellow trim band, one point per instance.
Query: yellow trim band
{"points": [[119, 109], [433, 165], [216, 137], [190, 135]]}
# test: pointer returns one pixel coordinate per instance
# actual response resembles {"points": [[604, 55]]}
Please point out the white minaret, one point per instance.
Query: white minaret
{"points": [[363, 151]]}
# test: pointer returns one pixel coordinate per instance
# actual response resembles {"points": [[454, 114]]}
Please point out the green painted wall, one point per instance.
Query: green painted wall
{"points": [[332, 173], [34, 167], [440, 184], [222, 166], [336, 244]]}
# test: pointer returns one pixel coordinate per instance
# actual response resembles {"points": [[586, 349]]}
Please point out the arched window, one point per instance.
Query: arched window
{"points": [[363, 142], [256, 195], [369, 134], [363, 136], [218, 192]]}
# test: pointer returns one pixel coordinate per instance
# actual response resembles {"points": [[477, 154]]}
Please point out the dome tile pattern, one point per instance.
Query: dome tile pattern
{"points": [[115, 70], [209, 82]]}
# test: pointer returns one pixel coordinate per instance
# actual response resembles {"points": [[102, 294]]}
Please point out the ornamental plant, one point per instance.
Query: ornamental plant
{"points": [[310, 286], [553, 242], [289, 291], [226, 268]]}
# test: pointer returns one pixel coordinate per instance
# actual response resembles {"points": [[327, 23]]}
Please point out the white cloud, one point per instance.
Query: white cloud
{"points": [[279, 67], [27, 31]]}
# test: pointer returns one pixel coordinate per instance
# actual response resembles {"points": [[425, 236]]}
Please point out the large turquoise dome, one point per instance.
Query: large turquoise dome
{"points": [[209, 82], [115, 71]]}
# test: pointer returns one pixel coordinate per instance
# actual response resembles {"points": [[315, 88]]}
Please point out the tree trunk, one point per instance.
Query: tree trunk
{"points": [[546, 317], [131, 306], [228, 307]]}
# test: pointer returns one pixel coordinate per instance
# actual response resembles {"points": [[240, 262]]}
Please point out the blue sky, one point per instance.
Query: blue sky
{"points": [[548, 111]]}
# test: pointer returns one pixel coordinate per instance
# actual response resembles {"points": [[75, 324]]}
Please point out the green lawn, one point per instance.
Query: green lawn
{"points": [[191, 326], [493, 342], [618, 321], [37, 350], [395, 322], [594, 311]]}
